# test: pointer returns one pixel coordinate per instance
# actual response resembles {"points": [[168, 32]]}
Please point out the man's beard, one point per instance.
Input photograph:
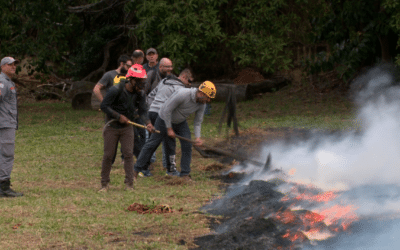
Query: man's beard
{"points": [[163, 74], [123, 71]]}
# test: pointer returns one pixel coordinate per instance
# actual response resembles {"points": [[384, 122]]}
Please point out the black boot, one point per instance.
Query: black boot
{"points": [[6, 191]]}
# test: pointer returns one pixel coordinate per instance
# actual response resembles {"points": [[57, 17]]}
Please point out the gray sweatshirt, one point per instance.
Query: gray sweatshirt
{"points": [[179, 106], [163, 92], [8, 103]]}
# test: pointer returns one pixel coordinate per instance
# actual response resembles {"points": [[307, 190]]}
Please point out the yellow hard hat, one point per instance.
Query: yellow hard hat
{"points": [[208, 88]]}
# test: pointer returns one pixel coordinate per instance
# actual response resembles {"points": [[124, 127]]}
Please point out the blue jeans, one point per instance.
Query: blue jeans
{"points": [[153, 157], [165, 158], [155, 139]]}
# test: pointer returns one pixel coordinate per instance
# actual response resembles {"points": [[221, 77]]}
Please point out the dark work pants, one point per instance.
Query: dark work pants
{"points": [[155, 139], [138, 141], [111, 137]]}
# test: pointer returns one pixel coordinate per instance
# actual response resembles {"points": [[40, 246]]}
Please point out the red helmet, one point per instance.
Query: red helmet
{"points": [[137, 71]]}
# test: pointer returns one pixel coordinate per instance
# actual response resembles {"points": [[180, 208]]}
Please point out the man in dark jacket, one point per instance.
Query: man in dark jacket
{"points": [[155, 76], [152, 60], [119, 104], [8, 125]]}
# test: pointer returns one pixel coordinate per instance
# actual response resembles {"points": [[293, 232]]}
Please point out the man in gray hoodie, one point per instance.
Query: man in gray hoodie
{"points": [[156, 99], [8, 125], [172, 119]]}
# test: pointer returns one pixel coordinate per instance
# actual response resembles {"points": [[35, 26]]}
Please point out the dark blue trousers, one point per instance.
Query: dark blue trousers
{"points": [[155, 139]]}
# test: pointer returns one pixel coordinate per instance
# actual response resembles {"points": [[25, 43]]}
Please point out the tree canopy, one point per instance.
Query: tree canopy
{"points": [[81, 39]]}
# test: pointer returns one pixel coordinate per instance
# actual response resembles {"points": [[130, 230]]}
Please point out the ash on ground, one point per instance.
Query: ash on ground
{"points": [[245, 223]]}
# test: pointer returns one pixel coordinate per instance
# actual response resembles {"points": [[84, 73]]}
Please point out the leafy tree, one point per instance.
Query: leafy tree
{"points": [[71, 35], [211, 32], [358, 32], [180, 30], [82, 36], [41, 29], [392, 9]]}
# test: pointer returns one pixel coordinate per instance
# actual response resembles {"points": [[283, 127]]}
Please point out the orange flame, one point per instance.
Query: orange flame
{"points": [[319, 224], [324, 197]]}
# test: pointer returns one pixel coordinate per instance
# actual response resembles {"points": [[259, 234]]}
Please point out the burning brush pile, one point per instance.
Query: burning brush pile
{"points": [[280, 215], [338, 191], [260, 215]]}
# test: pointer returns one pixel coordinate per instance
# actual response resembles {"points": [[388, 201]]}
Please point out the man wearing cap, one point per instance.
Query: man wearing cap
{"points": [[172, 119], [8, 125], [152, 63], [119, 104]]}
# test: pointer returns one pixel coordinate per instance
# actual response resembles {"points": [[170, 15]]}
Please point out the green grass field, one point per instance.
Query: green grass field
{"points": [[57, 167]]}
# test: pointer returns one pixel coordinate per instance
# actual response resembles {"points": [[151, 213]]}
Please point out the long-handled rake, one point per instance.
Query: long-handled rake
{"points": [[216, 150]]}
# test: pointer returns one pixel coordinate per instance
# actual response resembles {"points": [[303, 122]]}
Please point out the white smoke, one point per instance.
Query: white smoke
{"points": [[363, 164], [356, 158]]}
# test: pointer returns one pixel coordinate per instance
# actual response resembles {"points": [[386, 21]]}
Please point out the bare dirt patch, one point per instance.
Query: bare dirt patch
{"points": [[146, 209], [213, 167]]}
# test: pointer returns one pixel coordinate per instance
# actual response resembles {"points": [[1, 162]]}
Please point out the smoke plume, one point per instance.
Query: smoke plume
{"points": [[369, 155]]}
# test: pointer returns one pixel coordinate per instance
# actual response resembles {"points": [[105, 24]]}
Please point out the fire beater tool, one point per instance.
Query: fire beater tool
{"points": [[266, 166]]}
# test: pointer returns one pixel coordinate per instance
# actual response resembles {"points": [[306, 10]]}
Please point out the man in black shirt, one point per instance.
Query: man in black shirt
{"points": [[120, 104]]}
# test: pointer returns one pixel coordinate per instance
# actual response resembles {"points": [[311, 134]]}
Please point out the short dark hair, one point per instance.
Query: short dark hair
{"points": [[137, 54], [186, 72], [123, 59]]}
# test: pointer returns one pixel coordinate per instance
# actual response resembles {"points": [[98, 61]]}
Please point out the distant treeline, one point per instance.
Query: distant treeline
{"points": [[214, 37]]}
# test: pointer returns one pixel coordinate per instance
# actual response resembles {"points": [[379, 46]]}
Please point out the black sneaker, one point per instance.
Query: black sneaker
{"points": [[146, 173], [172, 173]]}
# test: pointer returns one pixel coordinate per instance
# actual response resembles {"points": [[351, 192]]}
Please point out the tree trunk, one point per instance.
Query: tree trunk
{"points": [[385, 49]]}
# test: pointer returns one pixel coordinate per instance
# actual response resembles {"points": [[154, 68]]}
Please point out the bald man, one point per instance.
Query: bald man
{"points": [[138, 57], [155, 76]]}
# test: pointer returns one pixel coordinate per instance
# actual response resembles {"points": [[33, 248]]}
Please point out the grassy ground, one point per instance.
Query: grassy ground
{"points": [[58, 161]]}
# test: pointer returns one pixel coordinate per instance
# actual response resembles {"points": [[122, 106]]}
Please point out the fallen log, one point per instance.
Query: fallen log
{"points": [[269, 85]]}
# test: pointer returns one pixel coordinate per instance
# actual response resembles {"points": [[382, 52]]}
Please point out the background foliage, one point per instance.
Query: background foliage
{"points": [[215, 37]]}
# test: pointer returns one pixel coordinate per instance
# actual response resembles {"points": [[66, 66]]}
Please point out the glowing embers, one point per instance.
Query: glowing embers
{"points": [[324, 197], [338, 217], [303, 225], [313, 215]]}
